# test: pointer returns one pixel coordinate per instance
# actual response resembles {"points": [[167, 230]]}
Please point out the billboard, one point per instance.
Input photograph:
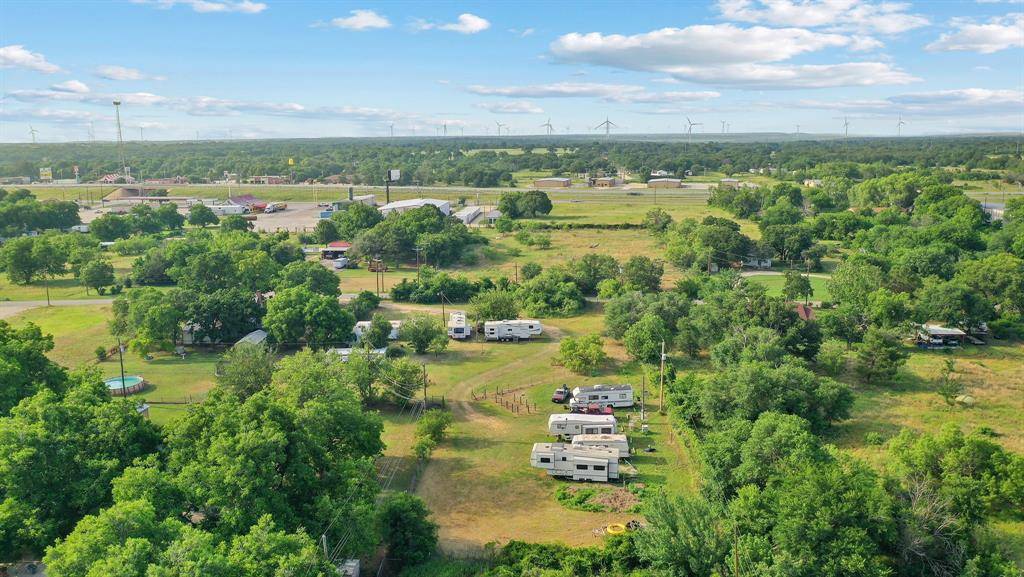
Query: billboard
{"points": [[46, 174], [394, 175]]}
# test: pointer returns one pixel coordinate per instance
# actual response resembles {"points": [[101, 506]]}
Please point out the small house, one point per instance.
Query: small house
{"points": [[664, 183], [552, 182], [512, 330], [458, 326], [606, 182], [603, 396], [576, 462], [363, 326], [757, 262], [939, 337], [619, 443], [571, 424]]}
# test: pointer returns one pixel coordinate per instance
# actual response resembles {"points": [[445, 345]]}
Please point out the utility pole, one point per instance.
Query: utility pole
{"points": [[120, 140], [120, 358], [424, 385], [643, 397], [661, 385], [515, 267]]}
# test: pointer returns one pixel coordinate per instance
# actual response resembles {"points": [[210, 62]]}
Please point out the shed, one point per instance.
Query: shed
{"points": [[664, 183], [939, 337], [552, 182]]}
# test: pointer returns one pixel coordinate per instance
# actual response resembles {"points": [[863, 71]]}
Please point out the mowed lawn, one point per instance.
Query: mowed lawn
{"points": [[77, 332], [62, 287], [775, 282]]}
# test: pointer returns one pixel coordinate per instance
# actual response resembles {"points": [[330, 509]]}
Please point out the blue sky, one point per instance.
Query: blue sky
{"points": [[253, 69]]}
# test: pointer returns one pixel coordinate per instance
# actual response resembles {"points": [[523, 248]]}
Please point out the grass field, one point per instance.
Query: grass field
{"points": [[63, 287], [775, 282]]}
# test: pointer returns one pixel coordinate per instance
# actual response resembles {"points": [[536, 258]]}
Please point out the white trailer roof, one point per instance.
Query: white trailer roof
{"points": [[581, 418]]}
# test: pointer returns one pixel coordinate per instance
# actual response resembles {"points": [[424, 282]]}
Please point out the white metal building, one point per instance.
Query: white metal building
{"points": [[468, 214], [572, 424], [619, 443], [603, 396], [403, 205], [458, 327], [578, 463], [512, 330]]}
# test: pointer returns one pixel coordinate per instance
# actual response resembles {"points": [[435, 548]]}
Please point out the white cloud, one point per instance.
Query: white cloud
{"points": [[114, 72], [999, 33], [512, 107], [466, 24], [724, 54], [211, 6], [522, 33], [608, 92], [71, 86], [362, 20], [963, 101], [880, 17], [51, 115], [64, 95], [17, 56]]}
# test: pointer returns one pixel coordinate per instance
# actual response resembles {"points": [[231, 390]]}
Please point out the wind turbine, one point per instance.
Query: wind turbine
{"points": [[608, 125], [723, 127], [548, 126], [846, 127], [391, 127], [500, 126], [444, 126], [689, 129], [899, 126], [32, 131]]}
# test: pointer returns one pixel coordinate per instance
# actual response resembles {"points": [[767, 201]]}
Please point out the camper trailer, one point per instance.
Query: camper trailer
{"points": [[458, 327], [572, 424], [511, 330], [363, 326], [578, 463], [617, 442], [603, 396]]}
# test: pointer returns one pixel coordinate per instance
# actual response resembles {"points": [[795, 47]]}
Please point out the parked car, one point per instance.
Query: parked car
{"points": [[560, 395]]}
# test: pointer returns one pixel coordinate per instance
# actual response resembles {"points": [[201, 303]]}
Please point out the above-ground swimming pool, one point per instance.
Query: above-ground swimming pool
{"points": [[131, 385]]}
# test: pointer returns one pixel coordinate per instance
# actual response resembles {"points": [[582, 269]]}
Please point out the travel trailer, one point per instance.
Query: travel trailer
{"points": [[363, 326], [576, 462], [511, 330], [572, 424], [619, 443], [458, 327], [603, 396]]}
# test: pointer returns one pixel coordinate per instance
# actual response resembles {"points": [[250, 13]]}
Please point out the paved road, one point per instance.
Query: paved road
{"points": [[11, 308]]}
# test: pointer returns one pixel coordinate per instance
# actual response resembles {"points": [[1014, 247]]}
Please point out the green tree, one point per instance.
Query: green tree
{"points": [[852, 282], [878, 358], [168, 216], [685, 537], [494, 305], [247, 368], [404, 525], [355, 218], [326, 231], [832, 357], [256, 271], [26, 369], [582, 355], [297, 314], [201, 215], [949, 386], [641, 273], [657, 220], [424, 332], [234, 223], [797, 286], [530, 270], [17, 261], [97, 273], [312, 275], [643, 339], [377, 335]]}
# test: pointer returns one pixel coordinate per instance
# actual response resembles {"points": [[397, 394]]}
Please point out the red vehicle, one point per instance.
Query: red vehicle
{"points": [[560, 395], [592, 409]]}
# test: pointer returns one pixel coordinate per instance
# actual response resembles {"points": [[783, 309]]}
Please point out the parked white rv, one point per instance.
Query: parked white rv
{"points": [[346, 353], [579, 463], [228, 209], [618, 443], [458, 327], [512, 330], [603, 396], [572, 424], [363, 326]]}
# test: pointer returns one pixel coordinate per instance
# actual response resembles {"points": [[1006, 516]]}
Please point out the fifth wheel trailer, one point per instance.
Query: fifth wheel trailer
{"points": [[618, 443], [618, 396], [458, 327], [579, 463], [572, 424], [512, 330]]}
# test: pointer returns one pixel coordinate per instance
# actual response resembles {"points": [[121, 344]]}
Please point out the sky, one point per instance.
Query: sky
{"points": [[218, 69]]}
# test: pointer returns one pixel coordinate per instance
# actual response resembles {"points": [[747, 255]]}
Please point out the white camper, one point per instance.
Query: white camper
{"points": [[579, 463], [512, 330], [363, 326], [572, 424], [618, 443], [228, 209], [346, 353], [603, 396], [458, 327]]}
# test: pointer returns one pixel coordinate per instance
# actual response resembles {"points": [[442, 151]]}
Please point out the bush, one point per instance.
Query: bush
{"points": [[101, 354], [873, 439], [582, 355]]}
